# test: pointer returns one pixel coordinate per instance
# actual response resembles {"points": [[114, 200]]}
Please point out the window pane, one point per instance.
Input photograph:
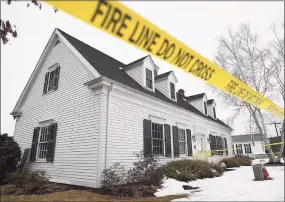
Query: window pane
{"points": [[148, 78], [205, 107], [157, 139], [182, 141], [43, 142], [51, 80], [172, 90]]}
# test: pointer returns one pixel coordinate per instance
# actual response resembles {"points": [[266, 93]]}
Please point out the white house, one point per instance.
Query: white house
{"points": [[82, 110], [248, 144]]}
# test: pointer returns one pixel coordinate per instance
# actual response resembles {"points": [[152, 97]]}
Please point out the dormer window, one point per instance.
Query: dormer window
{"points": [[172, 91], [214, 111], [149, 78], [205, 108]]}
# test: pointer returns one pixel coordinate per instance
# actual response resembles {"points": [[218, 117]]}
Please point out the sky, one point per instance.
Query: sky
{"points": [[197, 24]]}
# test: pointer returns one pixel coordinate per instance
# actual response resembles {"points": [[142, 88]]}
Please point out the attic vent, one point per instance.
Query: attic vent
{"points": [[56, 43]]}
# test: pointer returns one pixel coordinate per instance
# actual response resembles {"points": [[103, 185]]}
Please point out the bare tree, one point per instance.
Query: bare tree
{"points": [[276, 55], [241, 54], [7, 29]]}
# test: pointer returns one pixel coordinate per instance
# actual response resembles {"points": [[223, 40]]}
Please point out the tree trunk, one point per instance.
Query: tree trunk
{"points": [[282, 145], [271, 155]]}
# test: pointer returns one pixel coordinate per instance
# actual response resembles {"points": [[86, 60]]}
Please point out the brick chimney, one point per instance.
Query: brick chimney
{"points": [[181, 92]]}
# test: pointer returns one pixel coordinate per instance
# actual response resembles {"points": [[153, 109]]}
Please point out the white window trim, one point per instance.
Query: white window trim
{"points": [[157, 119], [169, 90], [186, 143], [163, 136], [181, 125], [205, 107], [250, 147], [53, 67], [50, 69], [38, 147], [144, 79], [42, 124], [239, 149]]}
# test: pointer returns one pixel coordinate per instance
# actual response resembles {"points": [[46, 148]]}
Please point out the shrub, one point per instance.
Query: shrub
{"points": [[237, 161], [10, 154], [230, 162], [187, 170], [30, 180], [243, 160], [145, 171], [113, 175]]}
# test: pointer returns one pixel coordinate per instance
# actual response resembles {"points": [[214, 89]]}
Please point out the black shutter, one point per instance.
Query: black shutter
{"points": [[175, 141], [46, 83], [51, 142], [167, 140], [33, 153], [147, 140], [226, 146], [189, 142], [56, 78]]}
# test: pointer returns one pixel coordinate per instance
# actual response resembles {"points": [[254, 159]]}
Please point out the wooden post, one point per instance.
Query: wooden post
{"points": [[258, 172]]}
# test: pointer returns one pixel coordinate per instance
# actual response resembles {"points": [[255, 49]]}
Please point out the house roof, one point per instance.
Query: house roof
{"points": [[110, 67], [210, 101], [166, 74], [246, 138], [194, 97], [136, 61]]}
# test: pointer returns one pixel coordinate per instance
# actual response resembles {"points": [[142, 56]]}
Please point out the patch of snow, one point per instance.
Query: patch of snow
{"points": [[172, 187], [237, 185]]}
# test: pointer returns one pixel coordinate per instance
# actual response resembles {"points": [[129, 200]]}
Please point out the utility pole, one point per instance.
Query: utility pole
{"points": [[275, 124]]}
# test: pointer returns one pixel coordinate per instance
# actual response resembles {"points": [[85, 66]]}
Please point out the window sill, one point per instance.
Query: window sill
{"points": [[49, 92], [41, 161]]}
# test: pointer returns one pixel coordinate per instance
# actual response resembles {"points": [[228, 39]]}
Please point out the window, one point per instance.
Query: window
{"points": [[51, 80], [43, 140], [247, 148], [172, 90], [214, 111], [222, 146], [239, 149], [157, 139], [149, 78], [205, 108], [182, 141], [233, 149]]}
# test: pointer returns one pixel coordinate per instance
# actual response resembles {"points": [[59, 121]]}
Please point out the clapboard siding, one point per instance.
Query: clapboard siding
{"points": [[75, 108], [162, 86], [136, 73], [126, 125]]}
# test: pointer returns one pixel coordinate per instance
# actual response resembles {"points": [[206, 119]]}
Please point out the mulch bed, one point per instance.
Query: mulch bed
{"points": [[127, 190]]}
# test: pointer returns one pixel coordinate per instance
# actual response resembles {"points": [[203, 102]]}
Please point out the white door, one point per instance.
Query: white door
{"points": [[200, 142]]}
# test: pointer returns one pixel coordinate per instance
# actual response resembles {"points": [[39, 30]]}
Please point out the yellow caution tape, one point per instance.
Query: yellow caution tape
{"points": [[277, 143], [118, 20]]}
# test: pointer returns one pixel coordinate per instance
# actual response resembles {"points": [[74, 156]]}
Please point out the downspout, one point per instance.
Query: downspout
{"points": [[100, 136], [107, 125]]}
